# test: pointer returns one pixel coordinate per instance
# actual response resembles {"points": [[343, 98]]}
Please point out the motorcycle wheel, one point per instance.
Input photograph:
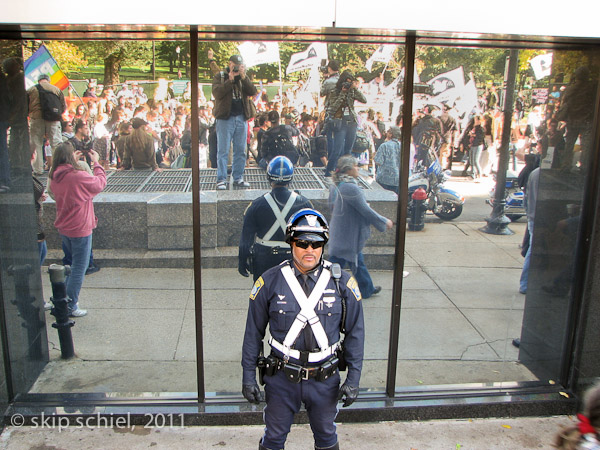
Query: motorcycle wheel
{"points": [[449, 211], [514, 217]]}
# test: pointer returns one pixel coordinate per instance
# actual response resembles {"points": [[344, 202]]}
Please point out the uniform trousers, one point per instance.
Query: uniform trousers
{"points": [[284, 399]]}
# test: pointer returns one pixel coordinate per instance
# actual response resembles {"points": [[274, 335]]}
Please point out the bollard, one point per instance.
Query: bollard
{"points": [[60, 310], [417, 212]]}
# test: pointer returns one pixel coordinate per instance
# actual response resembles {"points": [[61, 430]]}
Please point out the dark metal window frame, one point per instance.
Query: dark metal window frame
{"points": [[524, 398]]}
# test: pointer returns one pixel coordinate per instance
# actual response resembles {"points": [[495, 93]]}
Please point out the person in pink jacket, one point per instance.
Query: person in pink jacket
{"points": [[74, 190]]}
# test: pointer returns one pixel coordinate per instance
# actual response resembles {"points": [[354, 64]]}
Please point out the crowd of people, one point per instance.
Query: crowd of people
{"points": [[130, 130]]}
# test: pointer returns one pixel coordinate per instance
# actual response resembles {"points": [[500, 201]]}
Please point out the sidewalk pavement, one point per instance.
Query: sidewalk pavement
{"points": [[477, 434], [460, 311]]}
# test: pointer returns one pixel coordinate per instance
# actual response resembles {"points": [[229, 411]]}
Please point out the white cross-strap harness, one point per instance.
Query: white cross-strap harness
{"points": [[306, 315], [279, 223]]}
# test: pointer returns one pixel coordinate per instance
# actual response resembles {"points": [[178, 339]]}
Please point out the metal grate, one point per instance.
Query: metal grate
{"points": [[180, 180], [126, 180], [168, 181]]}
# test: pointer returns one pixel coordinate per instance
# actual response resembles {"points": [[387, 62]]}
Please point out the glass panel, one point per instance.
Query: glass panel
{"points": [[26, 350], [138, 334], [464, 312], [289, 77]]}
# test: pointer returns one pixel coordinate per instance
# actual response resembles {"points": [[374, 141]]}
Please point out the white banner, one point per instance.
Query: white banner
{"points": [[449, 80], [312, 56], [541, 65], [255, 53], [383, 54], [467, 100]]}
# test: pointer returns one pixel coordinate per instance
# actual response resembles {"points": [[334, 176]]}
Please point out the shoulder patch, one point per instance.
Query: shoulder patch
{"points": [[353, 286], [256, 288]]}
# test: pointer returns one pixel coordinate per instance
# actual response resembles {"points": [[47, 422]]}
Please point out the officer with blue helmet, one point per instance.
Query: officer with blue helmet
{"points": [[315, 317], [262, 243]]}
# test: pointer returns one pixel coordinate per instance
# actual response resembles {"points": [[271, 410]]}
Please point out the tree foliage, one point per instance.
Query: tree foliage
{"points": [[486, 64], [115, 54], [68, 56]]}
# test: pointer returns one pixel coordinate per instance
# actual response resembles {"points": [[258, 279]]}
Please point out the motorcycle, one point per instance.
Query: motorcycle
{"points": [[443, 202], [514, 197]]}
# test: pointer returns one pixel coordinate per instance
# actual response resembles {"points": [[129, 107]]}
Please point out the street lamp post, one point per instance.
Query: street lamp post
{"points": [[497, 223]]}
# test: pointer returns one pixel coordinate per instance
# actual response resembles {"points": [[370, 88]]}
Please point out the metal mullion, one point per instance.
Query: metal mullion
{"points": [[196, 214], [409, 70]]}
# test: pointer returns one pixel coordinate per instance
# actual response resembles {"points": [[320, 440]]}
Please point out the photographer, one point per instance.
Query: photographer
{"points": [[81, 141], [341, 117], [232, 90], [332, 74]]}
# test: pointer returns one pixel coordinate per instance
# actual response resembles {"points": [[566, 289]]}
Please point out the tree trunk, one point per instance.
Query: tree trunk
{"points": [[111, 70]]}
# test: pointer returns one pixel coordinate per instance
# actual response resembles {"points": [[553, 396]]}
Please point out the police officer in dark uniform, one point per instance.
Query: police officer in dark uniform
{"points": [[310, 306], [263, 234]]}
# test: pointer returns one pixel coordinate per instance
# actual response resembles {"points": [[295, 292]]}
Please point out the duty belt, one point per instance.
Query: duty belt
{"points": [[295, 373]]}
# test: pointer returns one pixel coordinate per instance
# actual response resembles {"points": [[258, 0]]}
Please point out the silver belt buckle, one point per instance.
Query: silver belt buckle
{"points": [[305, 377]]}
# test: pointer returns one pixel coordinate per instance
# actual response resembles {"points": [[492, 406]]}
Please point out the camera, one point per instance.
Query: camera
{"points": [[323, 66], [236, 68], [346, 85]]}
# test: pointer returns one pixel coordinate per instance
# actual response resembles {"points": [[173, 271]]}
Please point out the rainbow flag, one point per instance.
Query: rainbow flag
{"points": [[42, 62]]}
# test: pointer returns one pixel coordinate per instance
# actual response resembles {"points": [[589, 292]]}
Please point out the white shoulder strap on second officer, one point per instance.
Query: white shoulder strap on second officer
{"points": [[279, 220], [306, 315]]}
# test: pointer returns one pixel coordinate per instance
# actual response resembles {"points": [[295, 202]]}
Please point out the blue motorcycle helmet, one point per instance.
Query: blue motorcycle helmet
{"points": [[307, 224], [280, 170]]}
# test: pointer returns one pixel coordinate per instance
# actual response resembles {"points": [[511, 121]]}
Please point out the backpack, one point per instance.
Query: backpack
{"points": [[52, 107], [277, 142]]}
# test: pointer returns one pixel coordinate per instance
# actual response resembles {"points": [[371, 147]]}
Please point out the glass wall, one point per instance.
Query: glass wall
{"points": [[467, 316], [138, 334], [289, 77]]}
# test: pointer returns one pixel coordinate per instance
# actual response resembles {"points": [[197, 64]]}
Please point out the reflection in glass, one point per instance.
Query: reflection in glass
{"points": [[482, 324]]}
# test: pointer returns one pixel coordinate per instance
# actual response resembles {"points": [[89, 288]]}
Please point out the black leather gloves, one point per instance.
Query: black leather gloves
{"points": [[243, 269], [349, 392], [252, 393]]}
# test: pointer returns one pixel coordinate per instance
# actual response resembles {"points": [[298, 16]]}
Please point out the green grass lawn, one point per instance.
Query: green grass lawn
{"points": [[79, 78]]}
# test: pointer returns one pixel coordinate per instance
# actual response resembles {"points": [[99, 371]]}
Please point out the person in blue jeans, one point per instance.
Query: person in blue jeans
{"points": [[341, 119], [232, 90], [74, 189], [530, 202], [350, 226]]}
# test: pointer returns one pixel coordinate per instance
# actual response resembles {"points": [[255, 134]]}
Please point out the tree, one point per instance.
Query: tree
{"points": [[486, 64], [115, 54]]}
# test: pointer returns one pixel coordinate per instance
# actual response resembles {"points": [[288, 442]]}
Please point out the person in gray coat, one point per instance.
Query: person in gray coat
{"points": [[350, 225]]}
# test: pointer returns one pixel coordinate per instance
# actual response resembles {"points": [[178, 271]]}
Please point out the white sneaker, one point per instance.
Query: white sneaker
{"points": [[78, 312], [47, 306], [221, 185]]}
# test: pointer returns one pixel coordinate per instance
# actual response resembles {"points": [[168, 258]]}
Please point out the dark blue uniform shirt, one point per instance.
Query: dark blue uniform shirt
{"points": [[259, 218], [272, 302]]}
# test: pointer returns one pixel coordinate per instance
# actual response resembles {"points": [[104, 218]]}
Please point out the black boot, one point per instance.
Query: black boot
{"points": [[335, 446], [262, 447]]}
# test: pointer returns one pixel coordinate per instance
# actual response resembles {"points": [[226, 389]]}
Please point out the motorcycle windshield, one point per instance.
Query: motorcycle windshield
{"points": [[435, 167]]}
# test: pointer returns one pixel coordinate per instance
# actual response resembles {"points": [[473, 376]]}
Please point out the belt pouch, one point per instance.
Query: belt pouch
{"points": [[270, 365], [327, 369], [293, 373]]}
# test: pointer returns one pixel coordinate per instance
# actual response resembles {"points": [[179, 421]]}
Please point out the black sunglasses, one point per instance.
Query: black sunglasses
{"points": [[305, 244]]}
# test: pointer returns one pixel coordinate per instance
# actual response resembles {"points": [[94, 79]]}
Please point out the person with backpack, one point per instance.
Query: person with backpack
{"points": [[278, 141], [46, 106]]}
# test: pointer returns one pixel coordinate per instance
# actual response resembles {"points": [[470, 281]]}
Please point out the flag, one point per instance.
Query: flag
{"points": [[312, 56], [448, 80], [467, 100], [383, 54], [255, 53], [40, 63], [541, 65]]}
